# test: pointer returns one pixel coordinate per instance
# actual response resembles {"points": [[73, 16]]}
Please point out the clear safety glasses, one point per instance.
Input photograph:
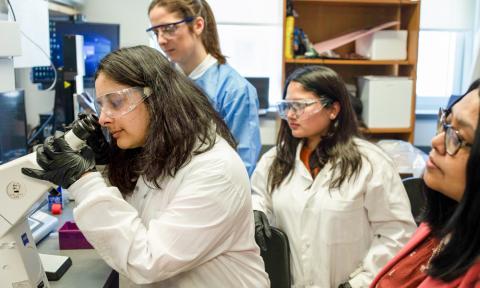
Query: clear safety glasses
{"points": [[298, 107], [167, 30], [118, 103], [453, 141]]}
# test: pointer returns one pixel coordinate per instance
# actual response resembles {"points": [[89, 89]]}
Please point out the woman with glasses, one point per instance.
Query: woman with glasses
{"points": [[175, 209], [445, 249], [186, 32], [338, 198]]}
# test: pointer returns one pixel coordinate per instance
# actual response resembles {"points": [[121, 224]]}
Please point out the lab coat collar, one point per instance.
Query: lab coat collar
{"points": [[208, 62]]}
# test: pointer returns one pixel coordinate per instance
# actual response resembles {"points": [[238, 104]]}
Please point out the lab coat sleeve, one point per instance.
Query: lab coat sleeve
{"points": [[390, 218], [261, 198], [240, 114], [197, 225]]}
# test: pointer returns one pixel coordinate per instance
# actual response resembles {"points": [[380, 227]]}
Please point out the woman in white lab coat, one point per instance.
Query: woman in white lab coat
{"points": [[175, 210], [339, 198]]}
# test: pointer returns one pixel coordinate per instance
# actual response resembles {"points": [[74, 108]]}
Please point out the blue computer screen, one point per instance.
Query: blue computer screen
{"points": [[99, 40]]}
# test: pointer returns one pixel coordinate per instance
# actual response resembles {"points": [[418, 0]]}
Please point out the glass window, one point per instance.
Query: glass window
{"points": [[437, 55]]}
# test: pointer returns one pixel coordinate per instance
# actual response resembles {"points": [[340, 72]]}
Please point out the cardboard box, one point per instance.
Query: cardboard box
{"points": [[387, 101], [383, 45]]}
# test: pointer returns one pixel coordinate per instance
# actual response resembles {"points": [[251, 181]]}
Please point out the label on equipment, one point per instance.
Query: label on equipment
{"points": [[15, 190]]}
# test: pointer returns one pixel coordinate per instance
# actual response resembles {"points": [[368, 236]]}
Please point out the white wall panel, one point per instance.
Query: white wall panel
{"points": [[247, 11], [255, 51]]}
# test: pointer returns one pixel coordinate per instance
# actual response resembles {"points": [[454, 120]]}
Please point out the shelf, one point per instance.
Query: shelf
{"points": [[388, 130], [347, 62], [327, 19], [61, 10], [361, 2]]}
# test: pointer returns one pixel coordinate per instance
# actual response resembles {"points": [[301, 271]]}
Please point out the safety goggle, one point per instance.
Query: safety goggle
{"points": [[298, 107], [118, 103], [453, 142], [167, 30]]}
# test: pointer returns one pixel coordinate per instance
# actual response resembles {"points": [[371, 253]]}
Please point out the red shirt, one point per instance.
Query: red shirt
{"points": [[470, 279], [409, 271]]}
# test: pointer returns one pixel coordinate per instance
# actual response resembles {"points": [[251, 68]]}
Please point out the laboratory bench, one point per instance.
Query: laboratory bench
{"points": [[87, 270]]}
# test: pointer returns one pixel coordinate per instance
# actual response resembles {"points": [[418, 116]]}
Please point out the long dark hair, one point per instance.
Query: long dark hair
{"points": [[181, 118], [194, 8], [463, 248], [337, 146]]}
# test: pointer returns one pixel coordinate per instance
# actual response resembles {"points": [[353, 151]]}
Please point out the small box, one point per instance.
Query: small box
{"points": [[383, 45], [387, 101], [70, 237]]}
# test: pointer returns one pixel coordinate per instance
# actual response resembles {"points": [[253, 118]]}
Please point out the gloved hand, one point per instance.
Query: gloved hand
{"points": [[60, 163], [96, 141], [262, 229], [345, 285]]}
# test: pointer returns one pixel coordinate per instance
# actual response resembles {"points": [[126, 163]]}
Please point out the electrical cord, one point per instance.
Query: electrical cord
{"points": [[52, 86], [11, 9]]}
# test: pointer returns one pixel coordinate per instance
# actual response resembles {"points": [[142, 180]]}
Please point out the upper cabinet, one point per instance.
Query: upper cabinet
{"points": [[322, 20]]}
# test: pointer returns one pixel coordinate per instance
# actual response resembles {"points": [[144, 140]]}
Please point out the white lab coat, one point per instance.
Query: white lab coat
{"points": [[342, 234], [197, 231]]}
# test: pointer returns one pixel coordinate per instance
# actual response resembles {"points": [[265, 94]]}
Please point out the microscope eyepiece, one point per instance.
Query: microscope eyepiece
{"points": [[85, 126]]}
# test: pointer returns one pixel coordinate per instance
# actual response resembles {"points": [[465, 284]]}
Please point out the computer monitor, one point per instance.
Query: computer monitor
{"points": [[99, 40], [13, 127], [262, 85]]}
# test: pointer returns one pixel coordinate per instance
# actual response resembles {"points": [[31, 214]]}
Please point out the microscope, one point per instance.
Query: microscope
{"points": [[20, 264]]}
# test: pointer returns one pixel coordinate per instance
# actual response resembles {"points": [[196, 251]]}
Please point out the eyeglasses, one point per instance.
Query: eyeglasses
{"points": [[119, 103], [167, 30], [453, 141], [298, 107]]}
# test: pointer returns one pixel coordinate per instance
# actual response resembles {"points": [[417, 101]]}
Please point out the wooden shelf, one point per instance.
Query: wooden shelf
{"points": [[346, 62], [322, 20], [387, 131], [362, 2]]}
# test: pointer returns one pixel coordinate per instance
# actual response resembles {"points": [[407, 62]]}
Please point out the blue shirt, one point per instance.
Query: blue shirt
{"points": [[235, 99]]}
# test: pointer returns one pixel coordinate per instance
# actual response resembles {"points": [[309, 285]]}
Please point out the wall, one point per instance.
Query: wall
{"points": [[447, 14], [131, 15], [250, 34]]}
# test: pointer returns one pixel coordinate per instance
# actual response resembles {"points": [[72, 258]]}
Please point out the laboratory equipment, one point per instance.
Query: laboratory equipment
{"points": [[13, 125], [99, 40], [20, 264]]}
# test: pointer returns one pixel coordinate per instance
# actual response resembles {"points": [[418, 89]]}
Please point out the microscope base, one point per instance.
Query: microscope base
{"points": [[20, 264]]}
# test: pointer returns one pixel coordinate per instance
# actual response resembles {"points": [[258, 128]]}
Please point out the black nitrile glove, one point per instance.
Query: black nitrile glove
{"points": [[262, 229], [61, 164], [345, 285], [96, 141]]}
